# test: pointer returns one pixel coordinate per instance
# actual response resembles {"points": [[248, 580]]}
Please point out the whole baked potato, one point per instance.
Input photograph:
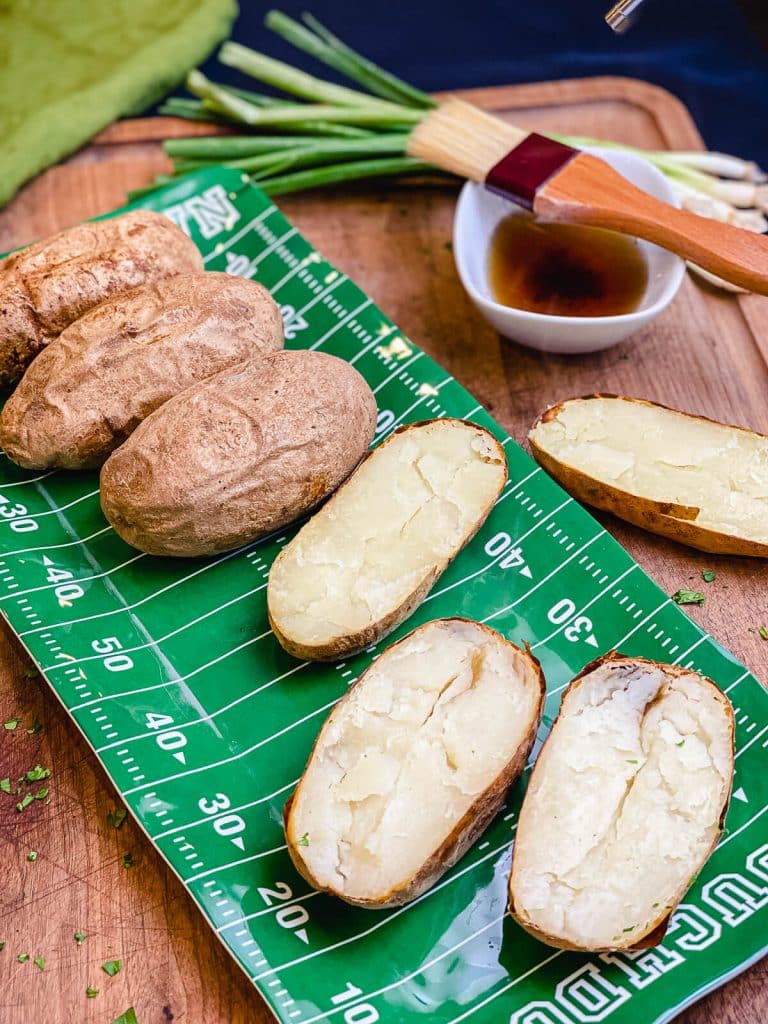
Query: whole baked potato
{"points": [[48, 285], [414, 762], [241, 454], [90, 388]]}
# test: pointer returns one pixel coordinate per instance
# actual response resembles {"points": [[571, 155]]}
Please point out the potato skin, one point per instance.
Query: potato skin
{"points": [[657, 928], [91, 387], [47, 286], [663, 518], [464, 834], [241, 454], [352, 643]]}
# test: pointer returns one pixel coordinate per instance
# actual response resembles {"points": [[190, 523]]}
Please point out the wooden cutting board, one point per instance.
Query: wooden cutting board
{"points": [[708, 353]]}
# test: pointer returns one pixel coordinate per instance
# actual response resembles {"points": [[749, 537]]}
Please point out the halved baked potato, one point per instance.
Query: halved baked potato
{"points": [[414, 762], [702, 483], [625, 804], [369, 557]]}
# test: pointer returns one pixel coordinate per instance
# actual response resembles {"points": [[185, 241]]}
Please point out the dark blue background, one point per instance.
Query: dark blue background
{"points": [[704, 51]]}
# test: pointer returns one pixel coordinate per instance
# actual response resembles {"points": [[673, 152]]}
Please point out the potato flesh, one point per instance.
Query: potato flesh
{"points": [[624, 804], [409, 507], [426, 731], [666, 456]]}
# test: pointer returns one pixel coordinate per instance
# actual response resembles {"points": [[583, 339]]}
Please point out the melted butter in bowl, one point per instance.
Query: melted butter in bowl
{"points": [[565, 269]]}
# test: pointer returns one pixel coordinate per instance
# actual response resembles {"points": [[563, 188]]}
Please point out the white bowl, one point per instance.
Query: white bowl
{"points": [[477, 214]]}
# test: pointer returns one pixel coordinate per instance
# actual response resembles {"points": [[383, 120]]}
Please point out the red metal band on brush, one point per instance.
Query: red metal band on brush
{"points": [[522, 172]]}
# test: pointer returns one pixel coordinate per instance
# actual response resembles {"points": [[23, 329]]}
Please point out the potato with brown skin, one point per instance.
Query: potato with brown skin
{"points": [[414, 762], [241, 454], [626, 802], [367, 560], [47, 286], [90, 388], [697, 481]]}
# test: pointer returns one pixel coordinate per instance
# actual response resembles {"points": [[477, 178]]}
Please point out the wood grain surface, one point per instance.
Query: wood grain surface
{"points": [[708, 353]]}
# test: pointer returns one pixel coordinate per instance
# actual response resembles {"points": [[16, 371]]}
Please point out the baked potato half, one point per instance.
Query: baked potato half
{"points": [[699, 482], [625, 804], [239, 455], [47, 286], [414, 762], [91, 387], [368, 559]]}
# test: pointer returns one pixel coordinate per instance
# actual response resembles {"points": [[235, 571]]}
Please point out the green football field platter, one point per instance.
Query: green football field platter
{"points": [[204, 723]]}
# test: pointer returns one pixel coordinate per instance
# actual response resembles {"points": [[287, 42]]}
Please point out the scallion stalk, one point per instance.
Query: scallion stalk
{"points": [[332, 174]]}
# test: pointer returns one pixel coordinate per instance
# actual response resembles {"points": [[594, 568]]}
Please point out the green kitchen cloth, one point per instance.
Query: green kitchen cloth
{"points": [[70, 67]]}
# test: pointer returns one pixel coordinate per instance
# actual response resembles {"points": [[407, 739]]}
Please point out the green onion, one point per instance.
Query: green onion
{"points": [[332, 175], [91, 992], [129, 1017], [112, 967], [689, 597], [117, 817]]}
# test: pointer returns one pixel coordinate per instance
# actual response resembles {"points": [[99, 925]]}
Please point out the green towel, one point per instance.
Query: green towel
{"points": [[70, 67]]}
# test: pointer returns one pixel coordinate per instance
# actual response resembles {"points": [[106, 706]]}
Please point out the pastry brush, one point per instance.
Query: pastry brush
{"points": [[559, 183]]}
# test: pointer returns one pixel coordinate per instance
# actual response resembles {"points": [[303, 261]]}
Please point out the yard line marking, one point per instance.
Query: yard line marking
{"points": [[732, 835], [53, 547], [498, 558], [60, 508], [407, 977], [213, 714], [391, 917], [161, 639], [269, 910], [32, 480], [399, 369], [419, 400], [244, 231], [322, 293], [340, 323], [736, 682], [235, 757], [176, 680], [82, 579], [379, 338], [507, 987], [691, 648], [231, 810], [234, 864], [746, 746], [584, 607], [556, 570], [154, 594]]}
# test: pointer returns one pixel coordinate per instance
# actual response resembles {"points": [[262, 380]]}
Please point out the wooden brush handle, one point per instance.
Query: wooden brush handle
{"points": [[587, 191]]}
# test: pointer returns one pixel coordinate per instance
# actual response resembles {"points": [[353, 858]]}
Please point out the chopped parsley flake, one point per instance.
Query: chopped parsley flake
{"points": [[708, 575], [681, 743], [39, 962], [91, 992], [117, 817], [689, 597], [2, 946], [304, 841], [23, 957], [32, 855], [112, 967], [763, 632], [631, 760], [36, 774], [31, 672], [80, 938], [129, 1017], [11, 723], [24, 803], [127, 860], [41, 794], [630, 929], [5, 785], [35, 728]]}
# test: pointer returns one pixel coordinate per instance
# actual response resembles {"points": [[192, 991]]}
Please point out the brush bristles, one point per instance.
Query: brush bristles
{"points": [[463, 139]]}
